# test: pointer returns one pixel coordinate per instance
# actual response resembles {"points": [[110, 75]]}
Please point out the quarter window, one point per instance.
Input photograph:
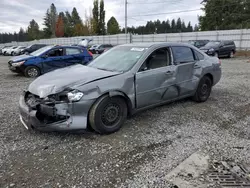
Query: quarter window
{"points": [[72, 51], [182, 54]]}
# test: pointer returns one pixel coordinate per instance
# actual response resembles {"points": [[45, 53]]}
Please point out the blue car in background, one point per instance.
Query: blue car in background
{"points": [[49, 58]]}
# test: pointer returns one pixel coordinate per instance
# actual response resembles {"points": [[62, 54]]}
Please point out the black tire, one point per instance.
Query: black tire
{"points": [[12, 53], [115, 108], [204, 90], [32, 72]]}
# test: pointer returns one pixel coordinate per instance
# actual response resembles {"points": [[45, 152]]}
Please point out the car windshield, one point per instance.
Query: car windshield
{"points": [[118, 59], [191, 42], [41, 51], [213, 43]]}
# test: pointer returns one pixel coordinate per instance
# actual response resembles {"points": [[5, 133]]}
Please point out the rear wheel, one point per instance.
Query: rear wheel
{"points": [[32, 71], [204, 90], [108, 114]]}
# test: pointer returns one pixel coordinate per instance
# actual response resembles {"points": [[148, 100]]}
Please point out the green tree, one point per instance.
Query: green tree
{"points": [[50, 21], [47, 24], [95, 11], [113, 26], [173, 26], [102, 18], [196, 27], [226, 14], [75, 17], [178, 25], [33, 30], [189, 27], [68, 25]]}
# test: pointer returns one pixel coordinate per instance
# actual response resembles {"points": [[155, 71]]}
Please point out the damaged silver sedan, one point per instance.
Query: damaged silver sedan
{"points": [[118, 83]]}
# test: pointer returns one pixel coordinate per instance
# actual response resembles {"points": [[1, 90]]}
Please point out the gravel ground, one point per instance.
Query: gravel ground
{"points": [[149, 146]]}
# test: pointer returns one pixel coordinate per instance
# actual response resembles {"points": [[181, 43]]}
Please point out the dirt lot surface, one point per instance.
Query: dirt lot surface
{"points": [[147, 148]]}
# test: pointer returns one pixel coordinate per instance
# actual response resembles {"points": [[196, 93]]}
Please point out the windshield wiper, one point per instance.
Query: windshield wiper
{"points": [[105, 69]]}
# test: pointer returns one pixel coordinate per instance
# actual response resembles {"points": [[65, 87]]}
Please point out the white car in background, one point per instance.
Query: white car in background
{"points": [[9, 50], [17, 51], [5, 49]]}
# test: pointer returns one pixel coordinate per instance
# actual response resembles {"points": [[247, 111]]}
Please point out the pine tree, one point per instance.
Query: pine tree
{"points": [[113, 26], [33, 30], [178, 25]]}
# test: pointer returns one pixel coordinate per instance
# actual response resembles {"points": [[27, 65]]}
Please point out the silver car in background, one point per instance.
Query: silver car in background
{"points": [[124, 80]]}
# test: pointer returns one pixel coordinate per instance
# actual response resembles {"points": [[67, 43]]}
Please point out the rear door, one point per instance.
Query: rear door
{"points": [[73, 56], [185, 62], [155, 79], [53, 60]]}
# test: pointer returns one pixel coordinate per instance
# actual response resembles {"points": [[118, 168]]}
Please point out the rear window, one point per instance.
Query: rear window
{"points": [[198, 55], [182, 54]]}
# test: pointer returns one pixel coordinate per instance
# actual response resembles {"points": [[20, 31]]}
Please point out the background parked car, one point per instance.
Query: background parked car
{"points": [[198, 43], [220, 48], [18, 50], [6, 51], [101, 48], [48, 59], [32, 48], [2, 48]]}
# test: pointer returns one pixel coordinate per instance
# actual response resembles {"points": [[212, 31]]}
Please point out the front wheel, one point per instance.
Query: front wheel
{"points": [[32, 71], [204, 90], [108, 114]]}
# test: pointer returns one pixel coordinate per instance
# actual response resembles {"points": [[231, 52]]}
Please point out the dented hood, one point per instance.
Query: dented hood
{"points": [[60, 79]]}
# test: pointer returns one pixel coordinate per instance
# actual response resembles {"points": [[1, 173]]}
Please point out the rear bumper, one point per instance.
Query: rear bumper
{"points": [[77, 116]]}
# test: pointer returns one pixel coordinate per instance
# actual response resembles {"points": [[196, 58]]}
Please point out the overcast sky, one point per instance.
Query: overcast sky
{"points": [[17, 13]]}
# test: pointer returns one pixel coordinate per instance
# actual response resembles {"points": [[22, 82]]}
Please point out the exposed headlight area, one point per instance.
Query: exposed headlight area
{"points": [[18, 64], [74, 96], [211, 50]]}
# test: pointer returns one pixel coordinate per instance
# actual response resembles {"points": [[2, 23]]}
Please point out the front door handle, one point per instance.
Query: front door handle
{"points": [[197, 66], [169, 72]]}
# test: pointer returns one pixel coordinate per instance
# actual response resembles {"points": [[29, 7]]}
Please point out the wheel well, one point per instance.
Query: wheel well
{"points": [[115, 94], [210, 76], [122, 95]]}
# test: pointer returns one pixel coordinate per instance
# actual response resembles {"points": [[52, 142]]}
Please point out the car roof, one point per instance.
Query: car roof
{"points": [[155, 44]]}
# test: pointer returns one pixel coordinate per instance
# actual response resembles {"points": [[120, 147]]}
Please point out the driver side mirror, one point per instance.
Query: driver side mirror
{"points": [[45, 56], [221, 45]]}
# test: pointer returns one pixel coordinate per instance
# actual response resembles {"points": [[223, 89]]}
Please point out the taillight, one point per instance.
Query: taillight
{"points": [[90, 53], [219, 61]]}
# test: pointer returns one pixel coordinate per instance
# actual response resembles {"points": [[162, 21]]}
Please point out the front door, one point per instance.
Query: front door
{"points": [[156, 79], [53, 60]]}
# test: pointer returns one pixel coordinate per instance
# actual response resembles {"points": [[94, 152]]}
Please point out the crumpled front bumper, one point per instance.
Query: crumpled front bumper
{"points": [[77, 119]]}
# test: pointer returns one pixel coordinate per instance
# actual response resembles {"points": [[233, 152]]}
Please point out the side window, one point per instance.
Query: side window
{"points": [[72, 51], [198, 55], [55, 52], [159, 58], [182, 54]]}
